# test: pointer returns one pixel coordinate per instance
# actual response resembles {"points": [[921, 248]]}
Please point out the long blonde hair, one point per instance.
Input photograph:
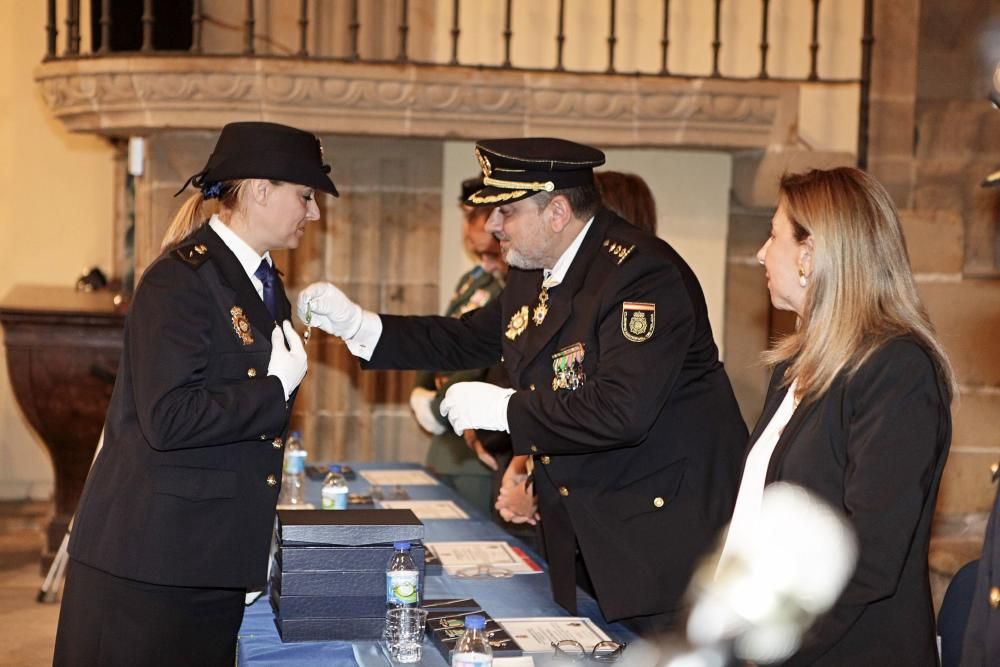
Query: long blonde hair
{"points": [[861, 291], [196, 211]]}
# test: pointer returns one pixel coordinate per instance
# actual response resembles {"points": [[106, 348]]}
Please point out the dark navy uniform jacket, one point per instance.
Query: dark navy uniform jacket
{"points": [[184, 490], [637, 467], [981, 646]]}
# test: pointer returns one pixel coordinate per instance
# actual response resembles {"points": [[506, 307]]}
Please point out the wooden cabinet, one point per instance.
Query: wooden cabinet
{"points": [[63, 349]]}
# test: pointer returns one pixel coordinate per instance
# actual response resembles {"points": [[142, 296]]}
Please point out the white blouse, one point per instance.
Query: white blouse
{"points": [[743, 527]]}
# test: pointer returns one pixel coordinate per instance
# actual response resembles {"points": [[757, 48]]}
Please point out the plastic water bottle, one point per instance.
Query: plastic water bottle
{"points": [[334, 491], [293, 482], [472, 649], [402, 579]]}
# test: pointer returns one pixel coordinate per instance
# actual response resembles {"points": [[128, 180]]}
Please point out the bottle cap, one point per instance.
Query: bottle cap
{"points": [[401, 546], [295, 434], [333, 468], [475, 622]]}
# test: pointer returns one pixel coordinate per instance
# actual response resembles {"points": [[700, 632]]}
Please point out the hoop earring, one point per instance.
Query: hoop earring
{"points": [[802, 277]]}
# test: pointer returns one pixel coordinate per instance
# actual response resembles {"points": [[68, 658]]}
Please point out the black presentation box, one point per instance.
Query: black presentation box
{"points": [[332, 582], [374, 557], [446, 631], [330, 629], [347, 527], [287, 607]]}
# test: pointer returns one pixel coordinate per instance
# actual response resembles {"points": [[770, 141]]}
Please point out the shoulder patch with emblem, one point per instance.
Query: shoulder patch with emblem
{"points": [[192, 254], [618, 252], [638, 321]]}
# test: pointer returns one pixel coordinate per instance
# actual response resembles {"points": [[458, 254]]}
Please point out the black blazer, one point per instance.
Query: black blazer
{"points": [[638, 466], [180, 493], [873, 447]]}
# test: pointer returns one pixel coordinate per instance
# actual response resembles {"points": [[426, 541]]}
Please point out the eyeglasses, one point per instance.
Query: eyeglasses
{"points": [[483, 571], [573, 651]]}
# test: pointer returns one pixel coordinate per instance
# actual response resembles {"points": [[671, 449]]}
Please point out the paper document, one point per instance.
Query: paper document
{"points": [[426, 509], [535, 635], [400, 477], [458, 556], [520, 661]]}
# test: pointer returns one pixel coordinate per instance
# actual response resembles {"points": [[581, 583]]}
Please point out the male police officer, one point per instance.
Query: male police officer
{"points": [[618, 391]]}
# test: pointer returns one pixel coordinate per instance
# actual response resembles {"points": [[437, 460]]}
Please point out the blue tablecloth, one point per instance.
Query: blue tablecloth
{"points": [[521, 595]]}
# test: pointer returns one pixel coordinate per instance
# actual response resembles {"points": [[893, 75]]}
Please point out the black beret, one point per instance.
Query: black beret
{"points": [[469, 187], [514, 169], [266, 150]]}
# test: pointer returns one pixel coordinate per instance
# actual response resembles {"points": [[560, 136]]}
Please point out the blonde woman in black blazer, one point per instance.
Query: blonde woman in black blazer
{"points": [[871, 424]]}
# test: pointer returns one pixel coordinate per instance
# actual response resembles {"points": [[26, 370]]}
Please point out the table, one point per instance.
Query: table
{"points": [[522, 595]]}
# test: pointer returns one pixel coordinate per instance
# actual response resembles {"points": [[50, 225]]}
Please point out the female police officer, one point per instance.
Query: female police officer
{"points": [[174, 524]]}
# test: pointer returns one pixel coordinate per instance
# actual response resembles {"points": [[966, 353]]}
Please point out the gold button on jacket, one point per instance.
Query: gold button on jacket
{"points": [[277, 443], [272, 480], [563, 491], [658, 502], [251, 372], [545, 460], [995, 597]]}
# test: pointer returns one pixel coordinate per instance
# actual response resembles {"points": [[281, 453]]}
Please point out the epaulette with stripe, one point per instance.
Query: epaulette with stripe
{"points": [[193, 254], [618, 252]]}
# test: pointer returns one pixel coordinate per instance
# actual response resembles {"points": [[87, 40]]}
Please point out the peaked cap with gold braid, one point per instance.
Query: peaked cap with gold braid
{"points": [[514, 169]]}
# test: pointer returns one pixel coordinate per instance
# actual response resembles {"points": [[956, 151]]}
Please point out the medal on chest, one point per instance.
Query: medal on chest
{"points": [[567, 368], [518, 323]]}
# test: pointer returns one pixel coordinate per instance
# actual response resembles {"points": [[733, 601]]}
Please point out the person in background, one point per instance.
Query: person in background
{"points": [[857, 411], [617, 389], [629, 196], [174, 524], [464, 462]]}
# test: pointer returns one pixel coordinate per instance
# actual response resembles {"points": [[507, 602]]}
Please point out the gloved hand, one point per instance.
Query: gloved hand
{"points": [[420, 403], [326, 307], [288, 364], [476, 405]]}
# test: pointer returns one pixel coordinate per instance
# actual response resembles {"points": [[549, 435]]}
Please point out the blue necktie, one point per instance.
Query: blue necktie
{"points": [[265, 273]]}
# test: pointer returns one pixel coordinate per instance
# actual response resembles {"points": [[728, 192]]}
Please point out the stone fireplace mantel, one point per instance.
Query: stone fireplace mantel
{"points": [[123, 96]]}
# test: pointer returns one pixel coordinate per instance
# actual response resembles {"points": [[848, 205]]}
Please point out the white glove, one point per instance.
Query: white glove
{"points": [[329, 309], [476, 405], [288, 365], [420, 403]]}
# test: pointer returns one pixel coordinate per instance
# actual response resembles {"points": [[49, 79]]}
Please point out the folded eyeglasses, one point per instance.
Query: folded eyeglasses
{"points": [[573, 651], [483, 571]]}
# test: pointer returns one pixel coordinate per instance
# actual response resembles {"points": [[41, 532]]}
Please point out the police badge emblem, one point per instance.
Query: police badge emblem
{"points": [[518, 323], [241, 325], [638, 321]]}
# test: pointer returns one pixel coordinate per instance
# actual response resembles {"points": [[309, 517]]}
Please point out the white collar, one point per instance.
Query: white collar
{"points": [[557, 273], [247, 256]]}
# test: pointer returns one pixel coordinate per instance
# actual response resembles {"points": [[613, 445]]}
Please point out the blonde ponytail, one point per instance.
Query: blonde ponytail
{"points": [[186, 222]]}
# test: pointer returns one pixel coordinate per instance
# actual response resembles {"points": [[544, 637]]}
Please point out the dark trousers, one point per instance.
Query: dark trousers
{"points": [[108, 621]]}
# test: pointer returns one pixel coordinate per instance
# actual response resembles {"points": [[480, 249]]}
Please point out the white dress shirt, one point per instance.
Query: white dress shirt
{"points": [[746, 515], [362, 344], [247, 256]]}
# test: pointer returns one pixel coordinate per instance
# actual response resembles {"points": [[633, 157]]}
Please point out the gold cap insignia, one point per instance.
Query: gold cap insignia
{"points": [[484, 162], [518, 323], [241, 325], [638, 321]]}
